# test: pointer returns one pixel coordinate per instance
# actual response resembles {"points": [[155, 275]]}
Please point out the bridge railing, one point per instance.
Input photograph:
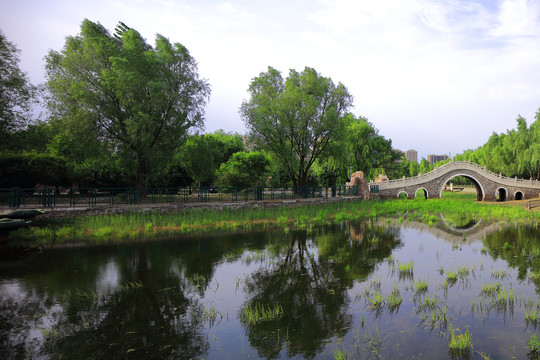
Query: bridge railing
{"points": [[531, 204]]}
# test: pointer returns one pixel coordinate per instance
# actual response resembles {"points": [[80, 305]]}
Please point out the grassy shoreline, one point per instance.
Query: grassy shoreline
{"points": [[137, 225]]}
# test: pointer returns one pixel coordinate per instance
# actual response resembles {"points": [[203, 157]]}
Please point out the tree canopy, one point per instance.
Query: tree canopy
{"points": [[295, 118], [514, 153], [141, 100], [16, 92]]}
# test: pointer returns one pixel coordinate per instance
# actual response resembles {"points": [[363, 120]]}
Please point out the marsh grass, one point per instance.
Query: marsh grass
{"points": [[375, 300], [405, 269], [133, 225], [257, 313], [427, 303], [394, 299], [420, 287], [531, 317], [534, 347], [451, 277], [459, 343]]}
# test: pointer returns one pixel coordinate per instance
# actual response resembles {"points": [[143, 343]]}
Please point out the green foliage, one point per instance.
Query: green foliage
{"points": [[26, 170], [16, 93], [243, 169], [140, 100], [460, 343], [296, 118], [514, 153], [202, 155], [197, 156], [534, 347], [257, 313], [362, 148]]}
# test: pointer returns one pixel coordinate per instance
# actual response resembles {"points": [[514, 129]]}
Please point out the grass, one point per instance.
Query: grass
{"points": [[451, 277], [257, 313], [405, 268], [420, 287], [393, 300], [534, 347], [129, 225], [376, 300], [531, 316], [459, 343]]}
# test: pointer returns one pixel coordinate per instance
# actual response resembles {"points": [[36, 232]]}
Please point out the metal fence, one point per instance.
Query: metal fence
{"points": [[61, 197]]}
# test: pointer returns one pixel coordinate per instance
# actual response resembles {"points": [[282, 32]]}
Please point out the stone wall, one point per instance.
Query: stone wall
{"points": [[62, 212]]}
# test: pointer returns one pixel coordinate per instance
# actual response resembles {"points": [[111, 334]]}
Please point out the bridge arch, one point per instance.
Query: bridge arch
{"points": [[426, 193], [480, 192], [501, 193], [403, 192], [518, 195]]}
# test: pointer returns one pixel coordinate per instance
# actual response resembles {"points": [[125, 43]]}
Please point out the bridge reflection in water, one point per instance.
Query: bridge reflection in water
{"points": [[489, 186]]}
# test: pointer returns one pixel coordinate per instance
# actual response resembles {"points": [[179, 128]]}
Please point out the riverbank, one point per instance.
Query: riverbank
{"points": [[119, 224]]}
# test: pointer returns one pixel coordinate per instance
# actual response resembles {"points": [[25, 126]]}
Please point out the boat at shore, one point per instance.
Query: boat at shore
{"points": [[21, 214], [7, 224]]}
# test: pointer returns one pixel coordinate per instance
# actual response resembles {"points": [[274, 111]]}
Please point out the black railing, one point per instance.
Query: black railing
{"points": [[71, 197]]}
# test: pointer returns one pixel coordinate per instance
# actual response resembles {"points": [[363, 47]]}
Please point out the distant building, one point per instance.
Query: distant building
{"points": [[412, 155], [432, 159]]}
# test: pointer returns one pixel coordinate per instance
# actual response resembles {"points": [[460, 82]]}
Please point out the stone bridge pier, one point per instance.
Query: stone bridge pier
{"points": [[489, 186]]}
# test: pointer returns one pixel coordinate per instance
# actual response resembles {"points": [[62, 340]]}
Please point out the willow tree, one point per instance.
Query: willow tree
{"points": [[295, 118], [142, 99], [16, 93]]}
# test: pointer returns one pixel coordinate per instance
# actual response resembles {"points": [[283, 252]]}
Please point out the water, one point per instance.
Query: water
{"points": [[185, 298]]}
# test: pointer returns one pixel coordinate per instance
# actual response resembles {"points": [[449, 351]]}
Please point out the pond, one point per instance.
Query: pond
{"points": [[388, 289]]}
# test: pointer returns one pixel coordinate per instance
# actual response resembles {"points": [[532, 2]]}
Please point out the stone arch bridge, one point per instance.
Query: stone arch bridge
{"points": [[489, 186]]}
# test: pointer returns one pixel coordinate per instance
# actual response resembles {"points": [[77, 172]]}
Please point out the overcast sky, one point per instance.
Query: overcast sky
{"points": [[438, 76]]}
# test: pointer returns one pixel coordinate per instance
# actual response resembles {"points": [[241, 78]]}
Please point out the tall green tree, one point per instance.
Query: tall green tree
{"points": [[198, 158], [244, 169], [142, 99], [295, 118], [16, 93], [362, 148]]}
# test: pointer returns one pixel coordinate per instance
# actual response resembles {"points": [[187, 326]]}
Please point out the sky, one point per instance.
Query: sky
{"points": [[437, 76]]}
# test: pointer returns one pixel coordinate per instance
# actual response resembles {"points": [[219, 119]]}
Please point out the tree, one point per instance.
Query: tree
{"points": [[244, 169], [198, 159], [141, 99], [296, 118], [16, 92], [363, 149]]}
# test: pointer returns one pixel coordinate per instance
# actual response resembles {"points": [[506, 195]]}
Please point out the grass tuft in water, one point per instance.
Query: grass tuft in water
{"points": [[257, 313], [421, 286], [459, 343], [534, 347]]}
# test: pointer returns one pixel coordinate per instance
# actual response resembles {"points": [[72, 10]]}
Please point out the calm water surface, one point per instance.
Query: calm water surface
{"points": [[185, 298]]}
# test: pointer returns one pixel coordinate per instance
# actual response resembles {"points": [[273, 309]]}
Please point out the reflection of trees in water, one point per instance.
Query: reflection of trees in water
{"points": [[160, 319], [310, 279], [520, 248]]}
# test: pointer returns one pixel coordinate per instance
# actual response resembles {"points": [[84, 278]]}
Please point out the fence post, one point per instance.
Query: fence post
{"points": [[92, 197], [15, 197], [46, 197], [258, 193], [71, 197]]}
